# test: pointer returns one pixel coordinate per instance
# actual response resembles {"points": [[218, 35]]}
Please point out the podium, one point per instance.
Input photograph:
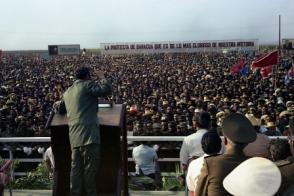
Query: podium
{"points": [[112, 175]]}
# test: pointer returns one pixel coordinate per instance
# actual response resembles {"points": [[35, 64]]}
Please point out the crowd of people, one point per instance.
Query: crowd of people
{"points": [[162, 92], [164, 95]]}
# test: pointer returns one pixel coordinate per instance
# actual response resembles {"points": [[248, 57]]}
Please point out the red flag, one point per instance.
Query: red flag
{"points": [[266, 71], [237, 67], [267, 60]]}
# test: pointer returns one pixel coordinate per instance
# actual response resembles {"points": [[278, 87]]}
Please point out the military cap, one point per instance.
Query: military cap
{"points": [[238, 128]]}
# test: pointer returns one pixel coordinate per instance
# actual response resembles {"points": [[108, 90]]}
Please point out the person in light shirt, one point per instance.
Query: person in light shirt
{"points": [[145, 158], [211, 144], [191, 147], [49, 160]]}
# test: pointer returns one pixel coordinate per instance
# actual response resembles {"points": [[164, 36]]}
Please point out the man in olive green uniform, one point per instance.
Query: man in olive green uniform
{"points": [[238, 132], [81, 103], [287, 167]]}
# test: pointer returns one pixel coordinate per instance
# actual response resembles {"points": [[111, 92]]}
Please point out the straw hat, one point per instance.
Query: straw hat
{"points": [[254, 121], [270, 124], [285, 113], [219, 114]]}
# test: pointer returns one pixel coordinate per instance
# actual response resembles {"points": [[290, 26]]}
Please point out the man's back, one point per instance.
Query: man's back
{"points": [[145, 157], [81, 106], [81, 102], [214, 170], [192, 146]]}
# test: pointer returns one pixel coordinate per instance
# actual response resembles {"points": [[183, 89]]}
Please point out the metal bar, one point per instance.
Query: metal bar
{"points": [[11, 169], [28, 160], [20, 173], [24, 139], [130, 138], [161, 160]]}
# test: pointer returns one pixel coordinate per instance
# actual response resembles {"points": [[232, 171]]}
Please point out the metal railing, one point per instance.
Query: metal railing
{"points": [[130, 139]]}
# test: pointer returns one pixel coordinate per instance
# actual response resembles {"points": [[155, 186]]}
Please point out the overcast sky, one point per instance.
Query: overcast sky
{"points": [[33, 24]]}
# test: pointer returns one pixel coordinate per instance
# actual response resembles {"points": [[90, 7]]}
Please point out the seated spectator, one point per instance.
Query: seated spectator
{"points": [[255, 177], [191, 147], [145, 158], [258, 148], [211, 144]]}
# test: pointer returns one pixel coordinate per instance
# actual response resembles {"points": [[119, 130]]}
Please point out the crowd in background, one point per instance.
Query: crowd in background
{"points": [[162, 92]]}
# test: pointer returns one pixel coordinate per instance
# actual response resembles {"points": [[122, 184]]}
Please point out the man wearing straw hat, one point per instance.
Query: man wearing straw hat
{"points": [[238, 132], [271, 129]]}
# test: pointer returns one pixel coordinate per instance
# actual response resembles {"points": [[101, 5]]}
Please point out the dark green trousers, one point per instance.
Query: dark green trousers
{"points": [[84, 167]]}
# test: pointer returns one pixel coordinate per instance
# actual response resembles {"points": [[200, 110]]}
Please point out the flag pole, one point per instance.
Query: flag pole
{"points": [[279, 34], [276, 70]]}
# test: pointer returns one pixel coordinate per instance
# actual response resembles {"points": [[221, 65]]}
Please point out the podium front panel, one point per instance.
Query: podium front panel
{"points": [[111, 126]]}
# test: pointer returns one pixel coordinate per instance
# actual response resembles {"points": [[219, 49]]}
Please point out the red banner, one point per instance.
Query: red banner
{"points": [[267, 60], [237, 67]]}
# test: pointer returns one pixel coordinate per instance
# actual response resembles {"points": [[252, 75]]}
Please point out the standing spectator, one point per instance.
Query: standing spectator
{"points": [[258, 148], [272, 130], [191, 147], [285, 164], [238, 132], [49, 160], [211, 144]]}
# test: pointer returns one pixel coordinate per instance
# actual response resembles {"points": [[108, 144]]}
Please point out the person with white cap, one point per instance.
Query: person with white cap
{"points": [[238, 132], [255, 177]]}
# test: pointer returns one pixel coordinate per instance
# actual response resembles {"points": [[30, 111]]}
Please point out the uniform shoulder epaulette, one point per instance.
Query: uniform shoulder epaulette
{"points": [[283, 162]]}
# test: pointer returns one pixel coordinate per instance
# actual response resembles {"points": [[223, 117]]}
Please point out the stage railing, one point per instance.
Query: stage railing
{"points": [[130, 139]]}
